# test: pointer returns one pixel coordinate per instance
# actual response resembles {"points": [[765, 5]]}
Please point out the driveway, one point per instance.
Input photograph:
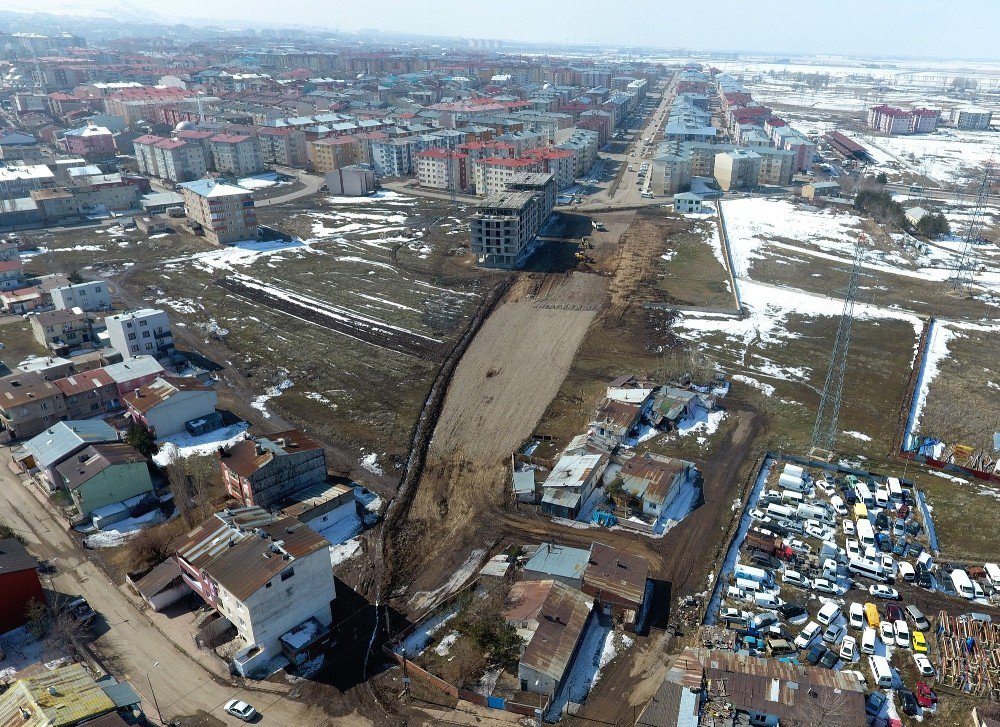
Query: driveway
{"points": [[312, 184], [185, 691]]}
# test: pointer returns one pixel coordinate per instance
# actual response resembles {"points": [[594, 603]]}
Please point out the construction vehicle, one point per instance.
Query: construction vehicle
{"points": [[584, 258]]}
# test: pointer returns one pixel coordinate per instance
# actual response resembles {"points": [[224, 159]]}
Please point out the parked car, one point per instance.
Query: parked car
{"points": [[900, 547], [763, 620], [923, 665], [874, 704], [826, 487], [808, 635], [816, 653], [764, 560], [856, 616], [915, 549], [882, 521], [799, 547], [908, 702], [893, 612], [919, 642], [887, 633], [240, 710], [848, 648], [902, 634], [848, 526], [833, 633], [862, 680], [795, 578], [80, 611], [881, 591], [793, 613], [924, 579], [822, 585], [868, 641], [829, 659], [926, 697], [917, 616]]}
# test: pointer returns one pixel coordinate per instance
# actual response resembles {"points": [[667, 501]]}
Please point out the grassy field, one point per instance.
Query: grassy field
{"points": [[18, 344], [961, 512], [693, 275]]}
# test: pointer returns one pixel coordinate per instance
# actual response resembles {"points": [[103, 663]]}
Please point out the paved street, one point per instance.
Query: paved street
{"points": [[129, 644]]}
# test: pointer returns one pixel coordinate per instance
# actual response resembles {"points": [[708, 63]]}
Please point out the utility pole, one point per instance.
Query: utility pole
{"points": [[966, 269], [149, 681], [827, 418]]}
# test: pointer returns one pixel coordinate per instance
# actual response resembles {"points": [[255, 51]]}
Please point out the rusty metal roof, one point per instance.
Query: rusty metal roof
{"points": [[561, 620], [617, 413], [526, 599], [243, 457], [611, 571], [650, 477], [59, 697], [145, 398]]}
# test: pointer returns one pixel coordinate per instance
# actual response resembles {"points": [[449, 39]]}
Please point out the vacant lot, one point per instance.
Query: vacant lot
{"points": [[501, 387], [338, 331]]}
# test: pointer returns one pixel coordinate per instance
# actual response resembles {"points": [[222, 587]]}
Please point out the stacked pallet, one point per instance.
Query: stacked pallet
{"points": [[968, 654]]}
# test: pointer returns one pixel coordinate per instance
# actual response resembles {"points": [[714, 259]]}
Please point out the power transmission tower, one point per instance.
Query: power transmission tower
{"points": [[827, 418], [964, 272]]}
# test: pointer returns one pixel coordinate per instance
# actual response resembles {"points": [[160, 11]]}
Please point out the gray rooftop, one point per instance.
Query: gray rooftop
{"points": [[63, 438], [558, 560]]}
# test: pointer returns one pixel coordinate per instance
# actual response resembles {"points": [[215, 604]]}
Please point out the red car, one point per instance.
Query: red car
{"points": [[926, 697]]}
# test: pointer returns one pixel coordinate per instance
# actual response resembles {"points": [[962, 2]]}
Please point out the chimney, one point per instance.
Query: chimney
{"points": [[136, 393], [258, 450]]}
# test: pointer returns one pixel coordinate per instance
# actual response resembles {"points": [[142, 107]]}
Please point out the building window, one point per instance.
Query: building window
{"points": [[149, 346]]}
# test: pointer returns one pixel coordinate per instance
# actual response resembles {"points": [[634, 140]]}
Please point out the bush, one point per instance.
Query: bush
{"points": [[482, 621], [141, 439], [932, 225], [880, 205]]}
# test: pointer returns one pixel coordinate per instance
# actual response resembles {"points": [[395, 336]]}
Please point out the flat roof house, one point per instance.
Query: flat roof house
{"points": [[570, 483], [168, 404], [62, 697], [557, 562]]}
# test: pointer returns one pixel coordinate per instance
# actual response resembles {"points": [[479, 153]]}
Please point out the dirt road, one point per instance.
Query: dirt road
{"points": [[500, 390], [127, 642]]}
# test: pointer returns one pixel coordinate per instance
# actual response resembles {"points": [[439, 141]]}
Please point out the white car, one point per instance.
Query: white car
{"points": [[856, 616], [923, 665], [799, 547], [240, 710], [849, 528], [848, 648], [817, 530], [826, 487], [889, 564], [880, 591], [824, 585], [868, 641], [887, 633], [795, 578], [833, 633], [902, 634], [853, 549], [808, 635]]}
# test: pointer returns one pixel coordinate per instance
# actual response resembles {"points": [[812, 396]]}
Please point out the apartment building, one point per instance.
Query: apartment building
{"points": [[89, 394], [393, 157], [236, 154], [179, 160], [225, 211], [265, 470], [737, 169], [29, 404], [503, 227], [89, 296], [445, 169], [20, 180], [168, 405], [560, 163], [11, 274], [61, 331], [892, 120], [670, 173], [776, 166], [540, 183], [282, 147], [972, 119], [143, 332], [334, 152], [584, 143], [267, 575], [492, 175], [90, 142]]}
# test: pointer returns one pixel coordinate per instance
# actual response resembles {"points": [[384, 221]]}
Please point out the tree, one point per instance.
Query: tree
{"points": [[881, 178], [933, 225], [141, 439], [194, 482], [75, 278]]}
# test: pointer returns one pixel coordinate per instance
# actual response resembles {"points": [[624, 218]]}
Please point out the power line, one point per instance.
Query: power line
{"points": [[966, 269]]}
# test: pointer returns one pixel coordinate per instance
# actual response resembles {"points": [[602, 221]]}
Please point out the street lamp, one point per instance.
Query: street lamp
{"points": [[151, 691]]}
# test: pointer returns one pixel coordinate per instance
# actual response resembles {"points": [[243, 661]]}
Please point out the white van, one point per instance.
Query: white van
{"points": [[767, 600], [748, 586], [791, 497], [992, 574], [881, 497], [866, 533], [789, 482], [779, 511], [838, 505], [895, 489], [736, 593], [751, 573], [926, 561], [828, 614], [906, 572], [881, 671], [807, 511], [963, 584], [870, 569], [864, 494], [795, 470]]}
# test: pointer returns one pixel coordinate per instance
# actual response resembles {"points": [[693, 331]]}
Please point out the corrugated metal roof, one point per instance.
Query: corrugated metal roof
{"points": [[63, 438], [61, 697], [558, 560], [14, 558], [561, 620], [613, 572]]}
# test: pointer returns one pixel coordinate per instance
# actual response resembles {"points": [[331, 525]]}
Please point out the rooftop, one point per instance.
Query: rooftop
{"points": [[63, 438], [558, 560], [211, 188], [93, 460]]}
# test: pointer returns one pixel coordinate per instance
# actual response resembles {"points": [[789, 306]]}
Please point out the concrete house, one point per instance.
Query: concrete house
{"points": [[552, 561], [168, 404], [103, 474], [144, 332], [616, 420], [90, 296], [552, 629], [29, 403], [134, 373], [62, 330], [655, 480], [55, 445], [264, 574], [11, 275], [570, 483], [266, 470], [89, 394]]}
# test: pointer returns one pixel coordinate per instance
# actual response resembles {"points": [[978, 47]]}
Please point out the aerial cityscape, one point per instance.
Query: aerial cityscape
{"points": [[431, 364]]}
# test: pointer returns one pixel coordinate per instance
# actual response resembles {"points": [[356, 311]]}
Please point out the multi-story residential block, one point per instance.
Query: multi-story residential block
{"points": [[90, 142], [393, 157], [670, 173], [89, 296], [179, 160], [143, 332], [492, 175], [540, 183], [265, 470], [61, 331], [29, 404], [442, 169], [584, 143], [225, 211], [334, 152], [504, 226], [282, 147], [737, 169], [776, 166], [266, 575], [560, 163], [236, 154], [972, 119], [892, 120], [167, 405], [20, 181]]}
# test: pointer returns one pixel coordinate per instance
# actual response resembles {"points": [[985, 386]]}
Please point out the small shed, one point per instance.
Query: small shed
{"points": [[162, 586], [525, 489]]}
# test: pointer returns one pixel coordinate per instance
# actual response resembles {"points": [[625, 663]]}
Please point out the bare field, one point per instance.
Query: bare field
{"points": [[961, 405], [501, 387]]}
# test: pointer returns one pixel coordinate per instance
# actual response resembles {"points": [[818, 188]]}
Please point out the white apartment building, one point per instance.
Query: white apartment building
{"points": [[972, 119], [492, 174], [235, 154], [180, 161], [393, 157], [143, 332], [737, 169], [225, 211], [89, 296], [442, 169], [19, 181]]}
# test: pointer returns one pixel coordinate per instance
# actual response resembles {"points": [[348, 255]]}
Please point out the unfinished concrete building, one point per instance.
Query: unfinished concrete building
{"points": [[266, 470], [504, 225]]}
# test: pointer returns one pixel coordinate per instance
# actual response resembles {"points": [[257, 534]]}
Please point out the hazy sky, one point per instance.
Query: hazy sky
{"points": [[953, 28]]}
